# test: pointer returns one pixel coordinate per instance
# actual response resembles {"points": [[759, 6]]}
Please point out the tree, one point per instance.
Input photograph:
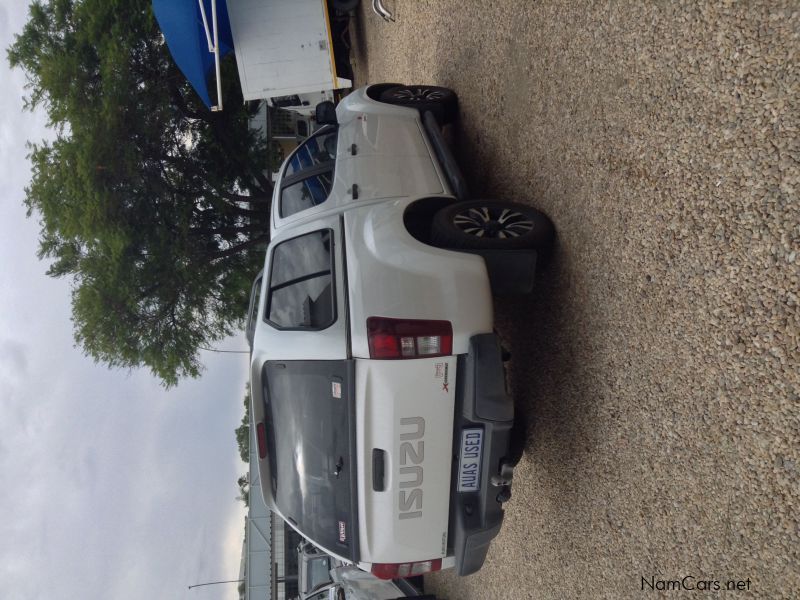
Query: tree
{"points": [[244, 490], [243, 441], [243, 431], [156, 207]]}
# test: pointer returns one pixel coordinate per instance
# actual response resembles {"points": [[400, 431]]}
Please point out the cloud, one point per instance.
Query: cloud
{"points": [[5, 22], [13, 377], [13, 358]]}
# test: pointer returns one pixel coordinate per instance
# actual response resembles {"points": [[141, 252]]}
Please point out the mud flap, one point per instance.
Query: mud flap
{"points": [[510, 271]]}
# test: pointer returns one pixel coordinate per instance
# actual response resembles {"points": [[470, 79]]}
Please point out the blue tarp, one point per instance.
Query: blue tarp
{"points": [[182, 25]]}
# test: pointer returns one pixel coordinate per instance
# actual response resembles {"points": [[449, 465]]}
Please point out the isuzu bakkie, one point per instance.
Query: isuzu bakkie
{"points": [[378, 388]]}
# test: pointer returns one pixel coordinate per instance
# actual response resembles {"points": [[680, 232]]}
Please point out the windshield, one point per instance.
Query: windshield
{"points": [[318, 572], [309, 418]]}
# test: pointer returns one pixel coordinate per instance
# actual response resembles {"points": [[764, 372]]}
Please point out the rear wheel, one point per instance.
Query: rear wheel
{"points": [[441, 101], [489, 224], [345, 5]]}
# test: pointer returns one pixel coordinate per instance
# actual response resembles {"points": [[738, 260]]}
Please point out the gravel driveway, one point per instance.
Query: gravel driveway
{"points": [[657, 365]]}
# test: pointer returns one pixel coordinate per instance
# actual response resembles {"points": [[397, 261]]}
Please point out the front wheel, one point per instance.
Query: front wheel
{"points": [[489, 224], [441, 101]]}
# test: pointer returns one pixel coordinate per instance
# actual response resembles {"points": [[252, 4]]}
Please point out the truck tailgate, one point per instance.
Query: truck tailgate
{"points": [[404, 411]]}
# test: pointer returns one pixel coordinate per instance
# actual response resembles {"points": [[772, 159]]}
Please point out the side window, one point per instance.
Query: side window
{"points": [[316, 150], [301, 293], [302, 129], [308, 175], [306, 193]]}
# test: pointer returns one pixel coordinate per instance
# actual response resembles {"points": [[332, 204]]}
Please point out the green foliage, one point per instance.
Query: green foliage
{"points": [[156, 207], [243, 431], [243, 441], [244, 490]]}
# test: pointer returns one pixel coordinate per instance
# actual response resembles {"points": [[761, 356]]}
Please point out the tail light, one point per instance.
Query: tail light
{"points": [[409, 569], [407, 338], [261, 436]]}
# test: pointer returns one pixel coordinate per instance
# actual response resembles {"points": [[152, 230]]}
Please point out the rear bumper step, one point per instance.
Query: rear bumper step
{"points": [[481, 402]]}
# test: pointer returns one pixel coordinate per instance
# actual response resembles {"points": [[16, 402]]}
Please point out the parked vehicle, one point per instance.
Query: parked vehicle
{"points": [[360, 585], [350, 583], [378, 387], [313, 567], [291, 53]]}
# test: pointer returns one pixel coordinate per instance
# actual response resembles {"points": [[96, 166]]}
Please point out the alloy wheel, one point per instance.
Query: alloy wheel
{"points": [[488, 222]]}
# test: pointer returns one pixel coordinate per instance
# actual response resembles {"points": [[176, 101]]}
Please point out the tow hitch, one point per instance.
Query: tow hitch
{"points": [[502, 479]]}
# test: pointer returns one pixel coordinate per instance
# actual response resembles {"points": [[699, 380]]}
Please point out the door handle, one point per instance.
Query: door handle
{"points": [[378, 470]]}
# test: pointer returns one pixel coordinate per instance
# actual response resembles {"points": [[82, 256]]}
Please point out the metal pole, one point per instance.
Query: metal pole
{"points": [[216, 54], [216, 582]]}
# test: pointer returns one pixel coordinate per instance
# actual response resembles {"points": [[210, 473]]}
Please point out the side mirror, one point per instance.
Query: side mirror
{"points": [[326, 113]]}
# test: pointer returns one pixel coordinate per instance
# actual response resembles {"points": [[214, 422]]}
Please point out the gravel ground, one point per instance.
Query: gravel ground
{"points": [[657, 366]]}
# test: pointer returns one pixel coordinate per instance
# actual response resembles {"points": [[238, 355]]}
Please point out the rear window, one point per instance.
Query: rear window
{"points": [[301, 293], [309, 414]]}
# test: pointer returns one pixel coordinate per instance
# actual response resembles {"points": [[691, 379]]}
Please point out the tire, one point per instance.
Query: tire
{"points": [[345, 5], [490, 224], [441, 101]]}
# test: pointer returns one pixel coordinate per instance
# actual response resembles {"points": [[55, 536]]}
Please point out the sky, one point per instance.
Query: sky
{"points": [[110, 486]]}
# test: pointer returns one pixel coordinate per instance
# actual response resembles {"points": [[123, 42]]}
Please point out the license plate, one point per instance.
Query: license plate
{"points": [[469, 465]]}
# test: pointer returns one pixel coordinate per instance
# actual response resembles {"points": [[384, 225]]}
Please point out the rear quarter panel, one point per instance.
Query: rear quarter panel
{"points": [[391, 274]]}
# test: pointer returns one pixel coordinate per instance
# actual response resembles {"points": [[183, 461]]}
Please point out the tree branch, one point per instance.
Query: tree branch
{"points": [[239, 248]]}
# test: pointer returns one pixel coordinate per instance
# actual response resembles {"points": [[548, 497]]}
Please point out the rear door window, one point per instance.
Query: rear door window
{"points": [[301, 292], [308, 175], [316, 150], [306, 193]]}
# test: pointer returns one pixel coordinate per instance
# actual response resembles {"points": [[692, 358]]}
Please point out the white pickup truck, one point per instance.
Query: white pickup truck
{"points": [[378, 390]]}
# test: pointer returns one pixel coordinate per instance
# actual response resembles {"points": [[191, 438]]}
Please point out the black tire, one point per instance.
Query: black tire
{"points": [[345, 5], [441, 101], [490, 224]]}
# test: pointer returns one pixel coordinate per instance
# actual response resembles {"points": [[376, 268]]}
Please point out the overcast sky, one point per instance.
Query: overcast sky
{"points": [[110, 487]]}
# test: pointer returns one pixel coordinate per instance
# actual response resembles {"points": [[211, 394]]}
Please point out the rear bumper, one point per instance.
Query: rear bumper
{"points": [[481, 401]]}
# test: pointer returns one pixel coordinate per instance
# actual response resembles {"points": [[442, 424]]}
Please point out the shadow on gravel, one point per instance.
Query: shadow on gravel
{"points": [[548, 381], [530, 329], [545, 373]]}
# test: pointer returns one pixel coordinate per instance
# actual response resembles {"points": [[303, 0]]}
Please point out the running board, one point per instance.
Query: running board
{"points": [[445, 156]]}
